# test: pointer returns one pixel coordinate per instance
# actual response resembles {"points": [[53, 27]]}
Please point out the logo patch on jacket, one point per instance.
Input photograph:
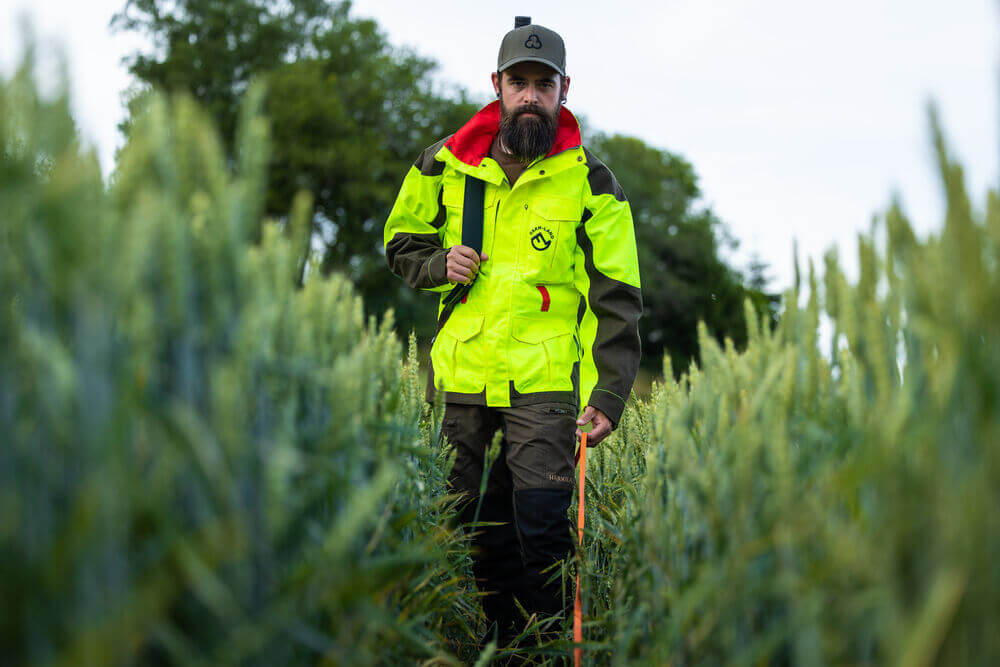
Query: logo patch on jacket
{"points": [[541, 238]]}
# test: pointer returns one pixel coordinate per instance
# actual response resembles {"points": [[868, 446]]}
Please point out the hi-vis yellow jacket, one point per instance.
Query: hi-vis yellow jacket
{"points": [[553, 314]]}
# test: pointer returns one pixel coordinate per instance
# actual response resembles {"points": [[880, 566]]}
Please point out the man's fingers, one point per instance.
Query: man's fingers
{"points": [[462, 260], [460, 274], [584, 419], [601, 430], [598, 433], [462, 264], [464, 271], [465, 252]]}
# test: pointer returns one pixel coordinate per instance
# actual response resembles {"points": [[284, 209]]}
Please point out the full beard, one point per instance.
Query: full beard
{"points": [[527, 137]]}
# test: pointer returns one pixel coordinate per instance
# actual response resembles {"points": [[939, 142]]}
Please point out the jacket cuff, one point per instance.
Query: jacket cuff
{"points": [[437, 268], [608, 403]]}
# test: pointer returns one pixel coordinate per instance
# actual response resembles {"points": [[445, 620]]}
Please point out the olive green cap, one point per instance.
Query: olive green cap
{"points": [[529, 42]]}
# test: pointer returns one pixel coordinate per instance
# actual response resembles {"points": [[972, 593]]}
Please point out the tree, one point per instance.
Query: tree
{"points": [[214, 48], [349, 114], [684, 278], [347, 126]]}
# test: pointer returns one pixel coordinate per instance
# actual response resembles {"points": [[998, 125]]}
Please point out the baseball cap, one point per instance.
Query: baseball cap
{"points": [[528, 41]]}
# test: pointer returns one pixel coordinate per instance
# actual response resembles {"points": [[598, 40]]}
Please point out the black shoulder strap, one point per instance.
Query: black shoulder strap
{"points": [[472, 236], [472, 213]]}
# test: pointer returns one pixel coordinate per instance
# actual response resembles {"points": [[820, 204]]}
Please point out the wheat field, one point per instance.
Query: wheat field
{"points": [[203, 464]]}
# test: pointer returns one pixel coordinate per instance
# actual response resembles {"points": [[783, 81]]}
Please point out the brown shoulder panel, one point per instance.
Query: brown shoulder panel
{"points": [[426, 163], [602, 181], [616, 347]]}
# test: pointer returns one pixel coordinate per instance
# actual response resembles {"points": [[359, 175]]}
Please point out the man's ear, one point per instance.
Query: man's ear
{"points": [[496, 82], [565, 88]]}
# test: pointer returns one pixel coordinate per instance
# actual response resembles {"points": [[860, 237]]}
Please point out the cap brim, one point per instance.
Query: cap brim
{"points": [[531, 59]]}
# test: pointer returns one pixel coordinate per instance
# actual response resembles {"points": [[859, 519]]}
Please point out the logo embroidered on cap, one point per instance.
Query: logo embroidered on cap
{"points": [[533, 42], [541, 238]]}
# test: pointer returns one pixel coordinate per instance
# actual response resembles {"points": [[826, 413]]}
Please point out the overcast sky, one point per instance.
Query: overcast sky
{"points": [[800, 119]]}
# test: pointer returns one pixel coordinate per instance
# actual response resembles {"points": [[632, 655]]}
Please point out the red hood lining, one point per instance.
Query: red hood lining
{"points": [[473, 140]]}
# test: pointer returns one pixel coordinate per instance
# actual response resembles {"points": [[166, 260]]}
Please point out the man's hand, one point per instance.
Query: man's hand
{"points": [[463, 263], [601, 428]]}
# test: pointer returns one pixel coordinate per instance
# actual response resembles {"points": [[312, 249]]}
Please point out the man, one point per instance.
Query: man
{"points": [[546, 313]]}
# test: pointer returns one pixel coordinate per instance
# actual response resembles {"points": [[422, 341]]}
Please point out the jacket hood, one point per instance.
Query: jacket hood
{"points": [[472, 142]]}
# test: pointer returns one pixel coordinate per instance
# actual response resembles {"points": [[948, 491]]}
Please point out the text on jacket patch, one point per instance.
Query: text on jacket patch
{"points": [[541, 237]]}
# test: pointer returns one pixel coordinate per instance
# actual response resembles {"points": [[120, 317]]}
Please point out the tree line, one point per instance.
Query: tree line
{"points": [[349, 113]]}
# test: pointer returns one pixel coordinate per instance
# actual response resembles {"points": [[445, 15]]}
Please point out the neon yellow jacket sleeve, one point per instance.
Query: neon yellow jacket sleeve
{"points": [[412, 240], [607, 275]]}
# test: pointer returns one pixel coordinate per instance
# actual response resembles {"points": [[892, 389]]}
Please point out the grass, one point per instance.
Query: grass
{"points": [[203, 464]]}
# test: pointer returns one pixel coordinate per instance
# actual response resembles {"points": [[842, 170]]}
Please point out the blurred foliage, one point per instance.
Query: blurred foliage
{"points": [[202, 463], [789, 506], [350, 114], [684, 278]]}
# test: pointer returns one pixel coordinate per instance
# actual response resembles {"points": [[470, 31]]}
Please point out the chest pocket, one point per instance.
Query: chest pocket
{"points": [[548, 241]]}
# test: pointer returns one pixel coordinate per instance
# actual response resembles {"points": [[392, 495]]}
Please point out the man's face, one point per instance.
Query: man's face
{"points": [[531, 94]]}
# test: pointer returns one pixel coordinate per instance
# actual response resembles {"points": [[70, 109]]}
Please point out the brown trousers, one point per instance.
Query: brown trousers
{"points": [[536, 452], [527, 493]]}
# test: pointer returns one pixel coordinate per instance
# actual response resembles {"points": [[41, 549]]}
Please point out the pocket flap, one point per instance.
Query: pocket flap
{"points": [[463, 328], [557, 208], [532, 330], [451, 195]]}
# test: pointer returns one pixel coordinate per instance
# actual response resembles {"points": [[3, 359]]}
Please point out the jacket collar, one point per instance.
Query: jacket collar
{"points": [[472, 142]]}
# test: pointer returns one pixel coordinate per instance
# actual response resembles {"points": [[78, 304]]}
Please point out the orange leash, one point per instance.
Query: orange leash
{"points": [[577, 609]]}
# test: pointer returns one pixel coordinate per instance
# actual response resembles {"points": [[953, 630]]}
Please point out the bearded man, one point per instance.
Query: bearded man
{"points": [[529, 239]]}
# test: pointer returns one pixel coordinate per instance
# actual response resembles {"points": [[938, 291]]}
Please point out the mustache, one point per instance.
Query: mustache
{"points": [[529, 108]]}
